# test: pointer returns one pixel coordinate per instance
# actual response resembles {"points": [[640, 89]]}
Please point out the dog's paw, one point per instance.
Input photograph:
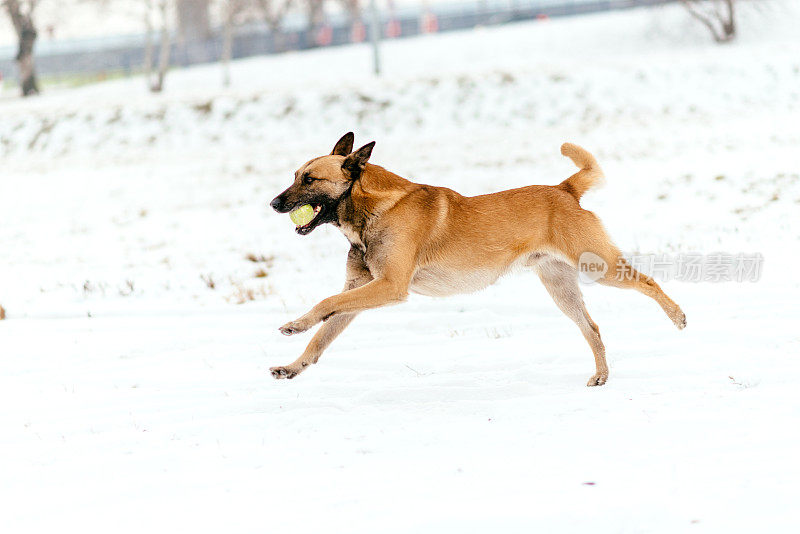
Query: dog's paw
{"points": [[598, 379], [680, 320], [283, 372], [294, 327]]}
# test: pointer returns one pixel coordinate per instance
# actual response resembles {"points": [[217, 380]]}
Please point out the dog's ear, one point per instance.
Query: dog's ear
{"points": [[354, 163], [344, 145]]}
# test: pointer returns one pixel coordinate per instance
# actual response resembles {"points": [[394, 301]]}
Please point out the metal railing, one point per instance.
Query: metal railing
{"points": [[126, 54]]}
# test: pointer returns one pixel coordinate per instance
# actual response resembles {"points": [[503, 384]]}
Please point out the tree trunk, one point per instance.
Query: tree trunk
{"points": [[720, 22], [227, 44], [729, 26], [316, 16], [353, 9], [278, 37], [273, 15], [163, 56], [27, 70], [193, 20], [26, 35], [149, 47]]}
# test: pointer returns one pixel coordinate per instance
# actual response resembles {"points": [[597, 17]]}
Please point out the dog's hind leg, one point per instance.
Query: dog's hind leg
{"points": [[357, 275], [621, 274], [589, 236], [561, 281]]}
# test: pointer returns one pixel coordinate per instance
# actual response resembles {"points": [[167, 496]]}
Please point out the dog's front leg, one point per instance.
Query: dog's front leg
{"points": [[324, 337], [357, 275], [377, 293], [390, 286]]}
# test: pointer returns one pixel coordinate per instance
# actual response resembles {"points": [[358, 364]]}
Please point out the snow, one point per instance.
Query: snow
{"points": [[137, 398]]}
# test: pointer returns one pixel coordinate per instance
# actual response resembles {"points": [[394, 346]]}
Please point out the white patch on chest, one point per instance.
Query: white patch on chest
{"points": [[352, 236]]}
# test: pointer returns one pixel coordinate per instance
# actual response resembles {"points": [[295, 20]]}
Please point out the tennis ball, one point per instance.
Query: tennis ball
{"points": [[302, 215]]}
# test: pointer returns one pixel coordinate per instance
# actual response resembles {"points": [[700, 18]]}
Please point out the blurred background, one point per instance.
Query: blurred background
{"points": [[73, 42]]}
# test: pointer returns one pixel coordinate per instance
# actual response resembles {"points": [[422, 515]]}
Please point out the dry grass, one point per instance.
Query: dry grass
{"points": [[242, 294], [127, 289], [260, 258], [264, 261], [495, 333], [209, 281], [2, 313], [90, 287]]}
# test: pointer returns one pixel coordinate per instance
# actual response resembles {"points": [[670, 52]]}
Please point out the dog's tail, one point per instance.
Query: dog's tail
{"points": [[589, 176]]}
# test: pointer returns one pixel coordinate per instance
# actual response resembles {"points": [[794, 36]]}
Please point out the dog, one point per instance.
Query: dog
{"points": [[408, 237]]}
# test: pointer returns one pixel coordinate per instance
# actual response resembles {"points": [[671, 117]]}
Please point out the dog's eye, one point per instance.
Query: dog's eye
{"points": [[307, 179]]}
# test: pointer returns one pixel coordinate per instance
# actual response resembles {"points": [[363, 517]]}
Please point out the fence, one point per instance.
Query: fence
{"points": [[95, 58]]}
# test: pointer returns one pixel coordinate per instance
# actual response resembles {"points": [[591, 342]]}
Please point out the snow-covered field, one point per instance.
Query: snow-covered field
{"points": [[144, 279]]}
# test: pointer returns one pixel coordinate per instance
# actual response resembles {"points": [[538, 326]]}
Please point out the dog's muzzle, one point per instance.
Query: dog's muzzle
{"points": [[278, 205]]}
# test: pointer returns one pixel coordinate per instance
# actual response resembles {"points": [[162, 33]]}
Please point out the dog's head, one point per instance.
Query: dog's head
{"points": [[324, 181]]}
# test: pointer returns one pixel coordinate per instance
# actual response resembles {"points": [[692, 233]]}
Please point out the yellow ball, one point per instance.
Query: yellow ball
{"points": [[302, 215]]}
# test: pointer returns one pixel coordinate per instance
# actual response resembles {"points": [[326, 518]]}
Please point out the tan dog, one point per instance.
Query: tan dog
{"points": [[433, 241]]}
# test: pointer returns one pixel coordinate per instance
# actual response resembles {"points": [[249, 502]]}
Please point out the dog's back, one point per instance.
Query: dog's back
{"points": [[492, 232]]}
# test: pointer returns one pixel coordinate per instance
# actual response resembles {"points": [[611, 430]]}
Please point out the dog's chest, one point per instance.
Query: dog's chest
{"points": [[353, 236]]}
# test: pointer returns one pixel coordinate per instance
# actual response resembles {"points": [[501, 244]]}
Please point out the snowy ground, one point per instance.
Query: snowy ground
{"points": [[137, 398]]}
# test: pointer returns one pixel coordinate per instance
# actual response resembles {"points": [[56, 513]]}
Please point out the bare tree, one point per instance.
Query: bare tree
{"points": [[157, 84], [149, 47], [230, 9], [272, 13], [21, 13], [716, 15], [194, 21], [353, 9], [316, 15], [234, 12], [156, 15]]}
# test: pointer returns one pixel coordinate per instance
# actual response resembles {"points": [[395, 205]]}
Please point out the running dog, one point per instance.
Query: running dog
{"points": [[433, 241]]}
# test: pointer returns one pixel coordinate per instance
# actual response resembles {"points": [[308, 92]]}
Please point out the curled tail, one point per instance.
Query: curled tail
{"points": [[589, 176]]}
